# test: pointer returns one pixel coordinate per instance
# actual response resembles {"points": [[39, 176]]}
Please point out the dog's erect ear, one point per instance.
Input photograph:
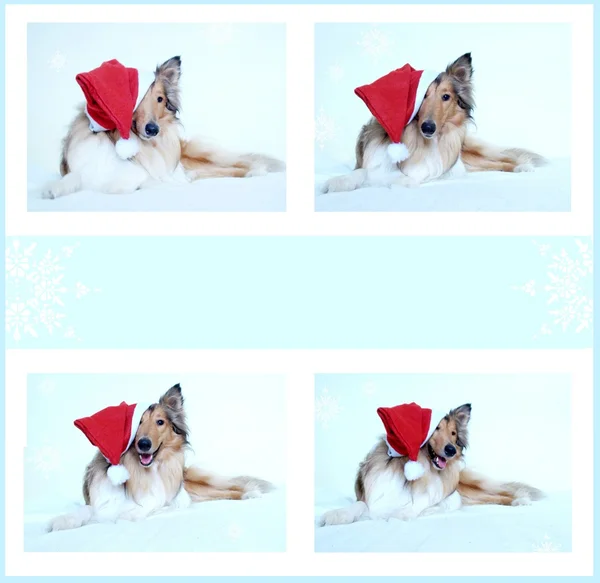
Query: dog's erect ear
{"points": [[170, 71], [462, 414], [462, 68], [172, 399], [168, 74]]}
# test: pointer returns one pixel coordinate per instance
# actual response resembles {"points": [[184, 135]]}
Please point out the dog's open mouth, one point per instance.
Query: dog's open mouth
{"points": [[146, 459], [437, 460]]}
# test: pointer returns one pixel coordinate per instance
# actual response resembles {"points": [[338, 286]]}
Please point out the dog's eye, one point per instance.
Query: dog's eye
{"points": [[160, 422], [445, 97], [454, 433], [160, 100], [437, 428]]}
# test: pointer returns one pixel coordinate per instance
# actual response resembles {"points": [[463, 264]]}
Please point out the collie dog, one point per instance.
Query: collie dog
{"points": [[158, 477], [89, 160], [437, 140], [382, 492]]}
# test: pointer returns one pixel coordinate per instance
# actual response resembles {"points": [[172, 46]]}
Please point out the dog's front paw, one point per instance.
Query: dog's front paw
{"points": [[134, 514], [64, 522], [333, 517], [119, 188], [405, 182], [404, 514], [524, 168], [340, 184], [523, 501], [54, 190]]}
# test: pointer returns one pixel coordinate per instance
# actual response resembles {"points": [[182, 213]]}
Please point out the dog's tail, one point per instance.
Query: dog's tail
{"points": [[476, 489], [200, 160], [202, 486], [480, 156]]}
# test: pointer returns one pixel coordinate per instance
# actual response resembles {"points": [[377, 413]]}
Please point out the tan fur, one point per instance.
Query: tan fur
{"points": [[475, 489], [163, 481], [378, 460], [158, 155], [448, 104], [170, 445], [438, 489], [480, 157]]}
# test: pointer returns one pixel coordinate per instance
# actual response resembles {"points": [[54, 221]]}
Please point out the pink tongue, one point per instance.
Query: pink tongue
{"points": [[441, 462], [146, 458]]}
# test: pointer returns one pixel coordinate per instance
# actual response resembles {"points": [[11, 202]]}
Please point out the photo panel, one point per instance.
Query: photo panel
{"points": [[437, 463], [204, 457], [156, 117], [451, 124]]}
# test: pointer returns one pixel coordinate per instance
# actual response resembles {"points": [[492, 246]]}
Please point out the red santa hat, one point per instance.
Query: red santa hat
{"points": [[394, 100], [408, 428], [112, 431], [112, 93]]}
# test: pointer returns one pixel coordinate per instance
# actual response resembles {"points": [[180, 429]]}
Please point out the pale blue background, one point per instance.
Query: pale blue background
{"points": [[303, 292]]}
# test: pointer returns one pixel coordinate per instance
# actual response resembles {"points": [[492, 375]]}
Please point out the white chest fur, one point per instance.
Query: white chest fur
{"points": [[427, 165], [391, 496], [151, 492]]}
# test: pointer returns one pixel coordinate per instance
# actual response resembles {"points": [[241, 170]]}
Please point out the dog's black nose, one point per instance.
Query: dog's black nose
{"points": [[427, 127], [144, 444], [151, 129], [450, 450]]}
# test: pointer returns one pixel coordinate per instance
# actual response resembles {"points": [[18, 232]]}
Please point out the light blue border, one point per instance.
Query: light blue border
{"points": [[596, 287]]}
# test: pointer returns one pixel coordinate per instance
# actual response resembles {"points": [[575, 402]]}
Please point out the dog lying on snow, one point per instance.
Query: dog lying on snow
{"points": [[420, 132], [150, 475], [425, 476], [91, 158]]}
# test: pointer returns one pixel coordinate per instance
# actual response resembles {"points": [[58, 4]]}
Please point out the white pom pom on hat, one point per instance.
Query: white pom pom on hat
{"points": [[117, 474], [127, 148], [112, 430], [397, 152]]}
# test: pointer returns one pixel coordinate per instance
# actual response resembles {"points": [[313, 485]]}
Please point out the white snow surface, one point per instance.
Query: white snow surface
{"points": [[253, 525], [545, 526], [548, 188], [258, 194]]}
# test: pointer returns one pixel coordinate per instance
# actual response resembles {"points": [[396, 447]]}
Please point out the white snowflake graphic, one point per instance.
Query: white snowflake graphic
{"points": [[336, 73], [45, 459], [19, 319], [327, 408], [375, 43], [528, 288], [546, 546], [81, 290], [57, 62], [567, 289], [18, 261], [219, 33], [543, 248], [325, 129], [37, 291]]}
